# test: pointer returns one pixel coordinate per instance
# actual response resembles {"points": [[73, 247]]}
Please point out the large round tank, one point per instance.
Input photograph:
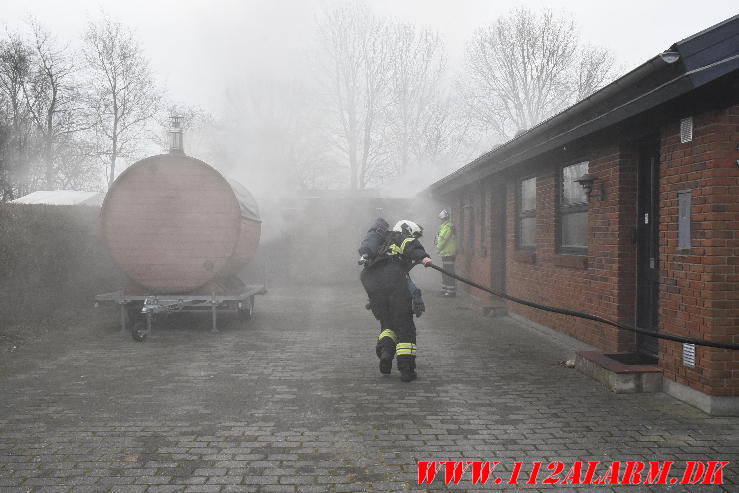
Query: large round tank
{"points": [[173, 224]]}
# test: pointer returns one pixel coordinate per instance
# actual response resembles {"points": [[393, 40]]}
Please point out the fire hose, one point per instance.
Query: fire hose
{"points": [[586, 316]]}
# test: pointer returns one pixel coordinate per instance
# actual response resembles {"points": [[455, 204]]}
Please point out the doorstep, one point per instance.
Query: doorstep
{"points": [[620, 372], [495, 307]]}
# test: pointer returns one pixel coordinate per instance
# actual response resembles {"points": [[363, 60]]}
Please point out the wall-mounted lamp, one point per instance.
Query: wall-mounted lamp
{"points": [[587, 182]]}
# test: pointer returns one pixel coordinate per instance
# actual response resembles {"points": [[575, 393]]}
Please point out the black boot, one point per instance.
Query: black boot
{"points": [[407, 368], [386, 361], [407, 374]]}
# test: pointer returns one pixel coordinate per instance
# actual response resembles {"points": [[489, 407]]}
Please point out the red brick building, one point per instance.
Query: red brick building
{"points": [[655, 244]]}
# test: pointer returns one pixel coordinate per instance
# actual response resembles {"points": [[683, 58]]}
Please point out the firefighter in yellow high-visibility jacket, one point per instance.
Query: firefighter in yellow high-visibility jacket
{"points": [[446, 246]]}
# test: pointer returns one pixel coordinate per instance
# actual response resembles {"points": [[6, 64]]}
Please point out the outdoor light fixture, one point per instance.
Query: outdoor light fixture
{"points": [[669, 56], [586, 182]]}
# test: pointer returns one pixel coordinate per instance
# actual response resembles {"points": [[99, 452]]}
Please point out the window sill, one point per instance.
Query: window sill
{"points": [[571, 261], [524, 257]]}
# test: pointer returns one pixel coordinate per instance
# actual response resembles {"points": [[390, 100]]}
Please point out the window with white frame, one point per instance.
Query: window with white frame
{"points": [[527, 214], [573, 210]]}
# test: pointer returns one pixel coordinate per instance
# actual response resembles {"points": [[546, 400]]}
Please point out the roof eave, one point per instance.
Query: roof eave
{"points": [[594, 100]]}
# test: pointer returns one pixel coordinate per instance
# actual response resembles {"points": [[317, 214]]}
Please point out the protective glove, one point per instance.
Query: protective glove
{"points": [[363, 260], [426, 261], [418, 306]]}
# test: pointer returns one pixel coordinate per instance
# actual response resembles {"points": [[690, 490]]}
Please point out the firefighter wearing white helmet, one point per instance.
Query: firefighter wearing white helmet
{"points": [[385, 278], [409, 228]]}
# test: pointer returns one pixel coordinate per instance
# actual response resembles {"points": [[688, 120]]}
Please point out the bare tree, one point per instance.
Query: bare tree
{"points": [[54, 102], [444, 136], [417, 67], [272, 125], [77, 166], [15, 63], [426, 129], [594, 71], [385, 84], [6, 185], [123, 96], [528, 67], [355, 68]]}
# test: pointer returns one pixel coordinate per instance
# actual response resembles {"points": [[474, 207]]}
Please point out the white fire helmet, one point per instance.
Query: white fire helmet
{"points": [[408, 227], [444, 214]]}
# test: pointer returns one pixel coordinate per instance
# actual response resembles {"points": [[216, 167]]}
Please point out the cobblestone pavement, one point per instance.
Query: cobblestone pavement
{"points": [[294, 402]]}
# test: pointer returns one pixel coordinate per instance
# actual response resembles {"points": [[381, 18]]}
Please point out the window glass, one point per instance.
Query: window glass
{"points": [[528, 194], [573, 192], [527, 214], [574, 230], [527, 236], [573, 210]]}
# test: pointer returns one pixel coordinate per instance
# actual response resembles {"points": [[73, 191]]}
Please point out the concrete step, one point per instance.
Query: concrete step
{"points": [[620, 372]]}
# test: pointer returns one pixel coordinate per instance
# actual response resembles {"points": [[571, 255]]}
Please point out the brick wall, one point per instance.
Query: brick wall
{"points": [[600, 283], [700, 287], [592, 283]]}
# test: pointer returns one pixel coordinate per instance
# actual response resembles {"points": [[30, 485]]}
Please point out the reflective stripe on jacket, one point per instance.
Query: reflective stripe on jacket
{"points": [[395, 249], [401, 248]]}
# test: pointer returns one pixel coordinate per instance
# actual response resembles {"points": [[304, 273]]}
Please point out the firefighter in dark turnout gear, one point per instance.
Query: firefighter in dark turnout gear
{"points": [[385, 278]]}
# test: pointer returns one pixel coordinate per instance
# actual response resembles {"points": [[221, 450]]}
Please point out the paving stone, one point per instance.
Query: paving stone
{"points": [[294, 402], [128, 489], [203, 489], [313, 489]]}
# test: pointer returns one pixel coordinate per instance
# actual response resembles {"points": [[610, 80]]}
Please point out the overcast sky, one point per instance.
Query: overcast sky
{"points": [[199, 48]]}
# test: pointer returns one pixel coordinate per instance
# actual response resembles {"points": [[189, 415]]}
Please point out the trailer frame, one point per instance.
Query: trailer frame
{"points": [[140, 309]]}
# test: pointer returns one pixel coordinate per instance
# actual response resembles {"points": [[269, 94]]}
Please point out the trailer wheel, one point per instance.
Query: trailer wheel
{"points": [[133, 313], [138, 331], [247, 310]]}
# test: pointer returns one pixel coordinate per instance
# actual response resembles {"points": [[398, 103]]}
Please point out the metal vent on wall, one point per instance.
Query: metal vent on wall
{"points": [[686, 129], [689, 355]]}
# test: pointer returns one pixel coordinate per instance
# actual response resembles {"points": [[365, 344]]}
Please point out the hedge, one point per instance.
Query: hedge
{"points": [[52, 262]]}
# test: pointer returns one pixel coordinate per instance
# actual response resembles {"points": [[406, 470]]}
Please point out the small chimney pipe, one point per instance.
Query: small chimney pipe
{"points": [[176, 146]]}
